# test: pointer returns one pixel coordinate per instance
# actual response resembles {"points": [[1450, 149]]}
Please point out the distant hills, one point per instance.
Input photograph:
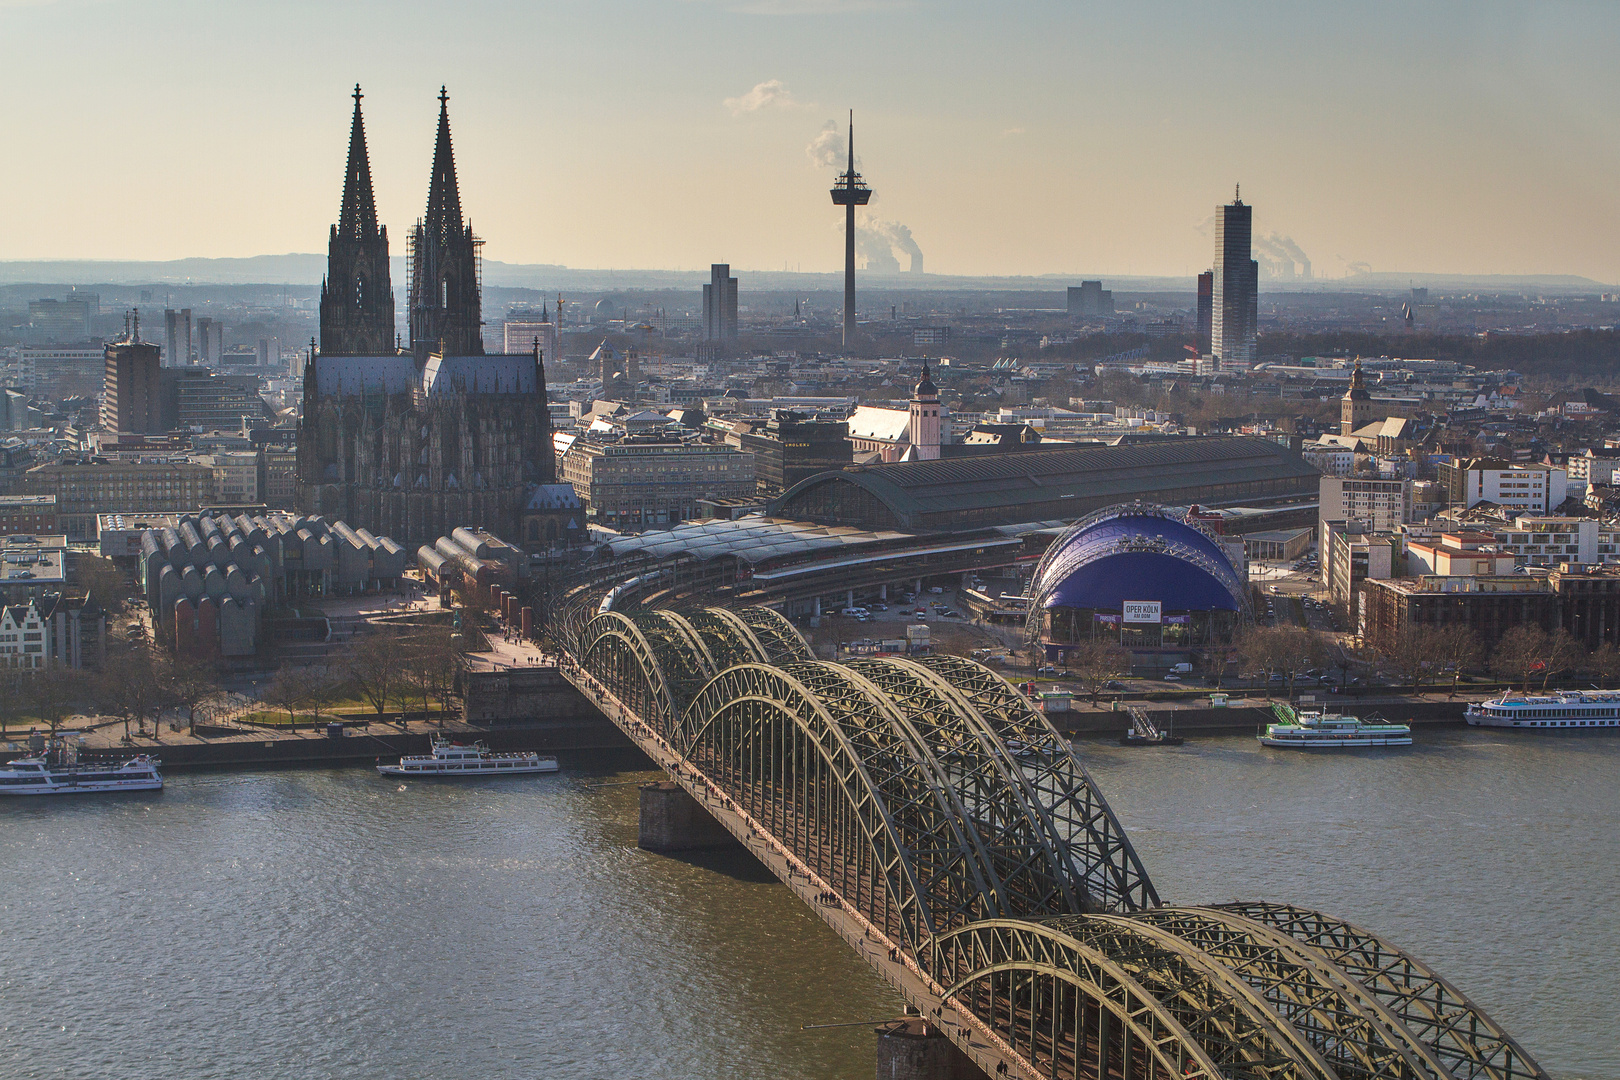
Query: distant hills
{"points": [[307, 269]]}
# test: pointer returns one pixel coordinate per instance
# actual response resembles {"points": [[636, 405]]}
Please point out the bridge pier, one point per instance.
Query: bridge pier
{"points": [[671, 820], [912, 1050]]}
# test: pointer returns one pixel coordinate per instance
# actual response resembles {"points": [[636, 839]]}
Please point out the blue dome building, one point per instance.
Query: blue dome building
{"points": [[1138, 575]]}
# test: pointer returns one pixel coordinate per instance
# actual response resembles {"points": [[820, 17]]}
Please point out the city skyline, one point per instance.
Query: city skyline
{"points": [[1404, 141]]}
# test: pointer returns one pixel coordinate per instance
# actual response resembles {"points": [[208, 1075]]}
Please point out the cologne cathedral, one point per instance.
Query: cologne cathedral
{"points": [[414, 442]]}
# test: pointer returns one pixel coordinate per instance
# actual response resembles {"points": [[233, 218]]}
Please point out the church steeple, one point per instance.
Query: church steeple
{"points": [[358, 218], [444, 196], [357, 298], [445, 306]]}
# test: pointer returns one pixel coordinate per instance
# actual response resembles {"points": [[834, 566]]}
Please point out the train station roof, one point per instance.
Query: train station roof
{"points": [[752, 539], [1050, 484]]}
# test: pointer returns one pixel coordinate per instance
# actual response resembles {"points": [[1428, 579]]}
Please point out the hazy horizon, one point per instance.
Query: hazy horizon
{"points": [[1046, 138]]}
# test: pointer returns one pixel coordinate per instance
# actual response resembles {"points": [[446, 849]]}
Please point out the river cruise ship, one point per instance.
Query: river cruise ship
{"points": [[1312, 730], [452, 759], [58, 770], [1584, 709]]}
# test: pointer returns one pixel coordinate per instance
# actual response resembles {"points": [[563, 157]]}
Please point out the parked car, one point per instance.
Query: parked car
{"points": [[936, 590]]}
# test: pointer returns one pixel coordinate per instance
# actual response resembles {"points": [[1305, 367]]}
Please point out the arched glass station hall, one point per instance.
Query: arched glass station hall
{"points": [[1140, 575]]}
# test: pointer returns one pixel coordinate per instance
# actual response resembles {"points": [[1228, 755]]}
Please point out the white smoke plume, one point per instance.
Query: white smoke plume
{"points": [[828, 149], [1281, 258], [770, 94], [880, 243]]}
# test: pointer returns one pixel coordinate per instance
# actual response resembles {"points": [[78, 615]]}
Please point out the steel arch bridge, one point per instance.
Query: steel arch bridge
{"points": [[948, 831]]}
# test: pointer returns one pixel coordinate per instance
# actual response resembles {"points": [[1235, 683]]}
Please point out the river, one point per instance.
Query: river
{"points": [[303, 924]]}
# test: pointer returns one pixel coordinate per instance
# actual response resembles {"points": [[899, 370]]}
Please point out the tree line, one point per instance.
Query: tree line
{"points": [[1418, 656], [140, 684]]}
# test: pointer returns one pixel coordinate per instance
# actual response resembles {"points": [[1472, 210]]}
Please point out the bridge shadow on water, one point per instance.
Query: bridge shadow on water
{"points": [[734, 862]]}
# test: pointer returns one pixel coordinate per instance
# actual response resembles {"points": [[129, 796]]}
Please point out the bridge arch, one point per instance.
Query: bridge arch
{"points": [[791, 747], [1459, 1032], [1090, 837], [616, 650]]}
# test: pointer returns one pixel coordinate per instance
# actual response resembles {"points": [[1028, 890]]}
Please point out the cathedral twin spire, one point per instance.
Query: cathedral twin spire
{"points": [[444, 197], [357, 300], [358, 218]]}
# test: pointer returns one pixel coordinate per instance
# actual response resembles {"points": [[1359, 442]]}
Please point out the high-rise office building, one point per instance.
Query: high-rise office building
{"points": [[720, 304], [522, 330], [210, 341], [130, 397], [1090, 301], [1235, 307], [1206, 307], [176, 337]]}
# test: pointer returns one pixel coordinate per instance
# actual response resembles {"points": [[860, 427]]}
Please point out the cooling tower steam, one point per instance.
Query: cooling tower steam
{"points": [[881, 243]]}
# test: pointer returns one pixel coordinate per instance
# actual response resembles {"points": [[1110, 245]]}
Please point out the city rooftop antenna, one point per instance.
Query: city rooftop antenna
{"points": [[849, 192]]}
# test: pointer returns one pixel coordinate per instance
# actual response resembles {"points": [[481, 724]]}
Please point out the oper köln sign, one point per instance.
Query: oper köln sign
{"points": [[1141, 611]]}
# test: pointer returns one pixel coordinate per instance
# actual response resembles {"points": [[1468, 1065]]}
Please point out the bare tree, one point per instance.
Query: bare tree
{"points": [[192, 682], [13, 701], [50, 692], [322, 686], [377, 666], [1096, 662], [1285, 650], [1562, 651], [1520, 654], [431, 659], [1457, 647], [1414, 655], [1604, 662], [286, 692]]}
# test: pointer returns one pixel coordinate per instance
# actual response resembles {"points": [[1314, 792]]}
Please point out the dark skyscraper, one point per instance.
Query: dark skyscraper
{"points": [[130, 398], [444, 263], [1235, 313], [849, 193], [1206, 307], [720, 304], [357, 298]]}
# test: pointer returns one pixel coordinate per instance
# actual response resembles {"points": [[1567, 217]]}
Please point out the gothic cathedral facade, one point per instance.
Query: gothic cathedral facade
{"points": [[414, 442]]}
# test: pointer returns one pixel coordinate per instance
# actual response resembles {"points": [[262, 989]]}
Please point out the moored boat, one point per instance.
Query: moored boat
{"points": [[454, 760], [56, 768], [1560, 711], [1315, 730]]}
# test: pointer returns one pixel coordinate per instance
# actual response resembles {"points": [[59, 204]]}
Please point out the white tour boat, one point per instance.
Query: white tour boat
{"points": [[1562, 710], [1314, 730], [452, 759], [58, 770]]}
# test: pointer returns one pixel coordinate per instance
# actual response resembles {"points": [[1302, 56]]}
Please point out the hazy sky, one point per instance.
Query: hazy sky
{"points": [[1010, 137]]}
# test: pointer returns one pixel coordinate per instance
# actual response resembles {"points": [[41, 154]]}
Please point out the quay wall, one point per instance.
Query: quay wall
{"points": [[1246, 720]]}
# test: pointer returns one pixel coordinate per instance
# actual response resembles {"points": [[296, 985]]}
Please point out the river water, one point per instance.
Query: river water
{"points": [[306, 924]]}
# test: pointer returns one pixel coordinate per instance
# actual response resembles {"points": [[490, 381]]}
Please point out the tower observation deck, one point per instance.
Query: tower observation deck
{"points": [[849, 192]]}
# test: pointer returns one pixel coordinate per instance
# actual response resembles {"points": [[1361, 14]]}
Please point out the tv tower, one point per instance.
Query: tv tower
{"points": [[850, 191]]}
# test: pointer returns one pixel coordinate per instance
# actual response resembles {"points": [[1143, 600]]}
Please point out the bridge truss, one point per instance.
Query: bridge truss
{"points": [[948, 831]]}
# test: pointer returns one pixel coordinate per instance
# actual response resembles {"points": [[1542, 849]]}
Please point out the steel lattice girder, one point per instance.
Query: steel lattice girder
{"points": [[740, 732], [966, 960], [1092, 842], [1459, 1032], [615, 650], [1221, 1011], [778, 635], [731, 641], [1018, 834], [1342, 1018], [682, 656]]}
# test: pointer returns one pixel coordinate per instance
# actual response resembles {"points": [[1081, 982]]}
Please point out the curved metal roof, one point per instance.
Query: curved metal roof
{"points": [[1137, 552], [1025, 486]]}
